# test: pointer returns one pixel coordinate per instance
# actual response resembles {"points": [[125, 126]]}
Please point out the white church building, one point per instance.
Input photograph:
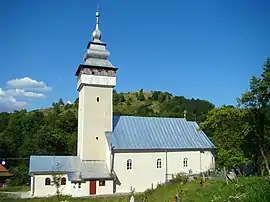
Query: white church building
{"points": [[117, 154]]}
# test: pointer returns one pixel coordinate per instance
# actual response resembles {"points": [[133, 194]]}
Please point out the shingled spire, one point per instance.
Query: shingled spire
{"points": [[96, 55]]}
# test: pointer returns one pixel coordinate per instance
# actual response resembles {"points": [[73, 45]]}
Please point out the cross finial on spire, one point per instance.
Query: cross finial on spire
{"points": [[97, 15], [97, 33], [185, 114]]}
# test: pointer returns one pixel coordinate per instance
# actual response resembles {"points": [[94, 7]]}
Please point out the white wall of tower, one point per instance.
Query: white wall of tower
{"points": [[95, 117]]}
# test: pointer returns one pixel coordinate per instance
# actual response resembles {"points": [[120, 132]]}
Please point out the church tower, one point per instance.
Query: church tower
{"points": [[96, 78]]}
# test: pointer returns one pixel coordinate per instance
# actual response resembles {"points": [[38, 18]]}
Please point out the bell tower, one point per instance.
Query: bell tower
{"points": [[96, 78]]}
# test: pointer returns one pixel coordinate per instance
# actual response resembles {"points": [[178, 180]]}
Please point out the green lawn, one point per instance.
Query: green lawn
{"points": [[15, 189], [249, 189]]}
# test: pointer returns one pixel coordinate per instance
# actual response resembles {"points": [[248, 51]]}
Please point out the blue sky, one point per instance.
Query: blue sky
{"points": [[202, 49]]}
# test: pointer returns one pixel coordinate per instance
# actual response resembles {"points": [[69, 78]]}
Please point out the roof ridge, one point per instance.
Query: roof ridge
{"points": [[160, 117]]}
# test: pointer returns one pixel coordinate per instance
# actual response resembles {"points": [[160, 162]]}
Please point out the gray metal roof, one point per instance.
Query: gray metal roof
{"points": [[54, 163], [94, 169], [72, 165], [131, 132]]}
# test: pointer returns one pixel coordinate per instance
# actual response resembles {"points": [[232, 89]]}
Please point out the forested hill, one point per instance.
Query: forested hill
{"points": [[161, 104]]}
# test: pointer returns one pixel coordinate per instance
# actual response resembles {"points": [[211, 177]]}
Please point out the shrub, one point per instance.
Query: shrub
{"points": [[180, 178], [258, 190]]}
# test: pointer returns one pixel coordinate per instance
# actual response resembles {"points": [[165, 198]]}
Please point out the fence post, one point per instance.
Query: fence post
{"points": [[225, 173]]}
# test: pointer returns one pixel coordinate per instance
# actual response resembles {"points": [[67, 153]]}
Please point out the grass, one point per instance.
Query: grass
{"points": [[249, 189], [15, 189]]}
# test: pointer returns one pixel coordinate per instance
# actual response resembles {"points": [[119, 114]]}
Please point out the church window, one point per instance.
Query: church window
{"points": [[102, 183], [185, 162], [129, 164], [47, 181], [96, 137], [79, 185], [159, 163], [63, 181], [97, 99]]}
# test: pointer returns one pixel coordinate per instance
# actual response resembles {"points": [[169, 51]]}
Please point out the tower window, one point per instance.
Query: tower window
{"points": [[96, 137], [129, 164], [97, 99], [159, 163]]}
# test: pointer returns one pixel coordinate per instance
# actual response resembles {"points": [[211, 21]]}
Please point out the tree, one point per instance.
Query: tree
{"points": [[4, 120], [227, 129], [140, 95], [121, 97], [256, 100]]}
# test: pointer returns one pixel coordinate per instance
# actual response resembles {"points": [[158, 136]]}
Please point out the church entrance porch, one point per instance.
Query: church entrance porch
{"points": [[92, 187]]}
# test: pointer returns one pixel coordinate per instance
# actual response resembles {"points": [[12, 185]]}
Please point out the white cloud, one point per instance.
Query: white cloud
{"points": [[23, 93], [24, 88], [8, 103], [28, 83], [2, 93]]}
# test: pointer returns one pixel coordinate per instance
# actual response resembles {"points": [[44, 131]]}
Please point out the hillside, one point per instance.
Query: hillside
{"points": [[161, 104], [154, 103]]}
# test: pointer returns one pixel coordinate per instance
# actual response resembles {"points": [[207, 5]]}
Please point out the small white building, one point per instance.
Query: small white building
{"points": [[117, 154]]}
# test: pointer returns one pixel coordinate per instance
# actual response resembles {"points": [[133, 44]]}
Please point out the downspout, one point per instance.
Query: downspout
{"points": [[32, 184], [166, 167], [112, 158], [112, 169], [200, 162]]}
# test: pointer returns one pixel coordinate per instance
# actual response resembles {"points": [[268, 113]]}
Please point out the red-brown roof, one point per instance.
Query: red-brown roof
{"points": [[3, 169]]}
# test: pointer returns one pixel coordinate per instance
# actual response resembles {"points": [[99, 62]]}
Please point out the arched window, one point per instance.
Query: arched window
{"points": [[63, 181], [185, 162], [158, 163], [129, 164], [47, 181]]}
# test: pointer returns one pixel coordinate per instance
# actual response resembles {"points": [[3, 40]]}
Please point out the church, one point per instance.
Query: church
{"points": [[118, 154]]}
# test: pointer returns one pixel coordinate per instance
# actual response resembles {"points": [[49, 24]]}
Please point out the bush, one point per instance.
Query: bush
{"points": [[258, 190], [179, 178]]}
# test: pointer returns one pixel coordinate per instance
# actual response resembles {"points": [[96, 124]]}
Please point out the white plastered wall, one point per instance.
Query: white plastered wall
{"points": [[84, 189], [39, 189], [208, 161], [79, 189], [73, 189], [107, 189], [145, 174]]}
